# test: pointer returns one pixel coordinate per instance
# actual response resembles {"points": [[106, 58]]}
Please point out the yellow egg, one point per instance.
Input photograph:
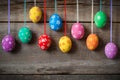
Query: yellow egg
{"points": [[92, 41], [65, 44], [35, 14]]}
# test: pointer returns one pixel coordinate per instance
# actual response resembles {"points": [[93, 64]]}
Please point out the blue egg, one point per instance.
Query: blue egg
{"points": [[55, 22]]}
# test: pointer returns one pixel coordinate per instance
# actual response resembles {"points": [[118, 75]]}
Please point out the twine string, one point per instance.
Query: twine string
{"points": [[65, 26], [24, 12], [34, 2], [100, 5], [44, 16], [110, 20], [77, 11], [55, 6], [8, 16], [92, 17]]}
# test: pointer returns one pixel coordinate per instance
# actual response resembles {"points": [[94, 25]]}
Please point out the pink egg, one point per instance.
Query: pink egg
{"points": [[111, 50], [77, 31]]}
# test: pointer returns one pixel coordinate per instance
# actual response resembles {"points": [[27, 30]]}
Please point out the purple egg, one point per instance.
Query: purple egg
{"points": [[111, 50], [8, 43]]}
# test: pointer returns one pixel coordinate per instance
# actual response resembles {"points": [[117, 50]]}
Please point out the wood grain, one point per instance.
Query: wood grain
{"points": [[60, 2], [28, 62], [84, 13], [29, 59], [59, 77]]}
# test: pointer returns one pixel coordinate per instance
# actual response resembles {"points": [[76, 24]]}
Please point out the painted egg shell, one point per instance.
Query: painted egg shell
{"points": [[55, 22], [8, 43], [111, 50], [44, 42], [65, 44], [100, 19], [77, 31], [92, 41], [25, 34], [35, 14]]}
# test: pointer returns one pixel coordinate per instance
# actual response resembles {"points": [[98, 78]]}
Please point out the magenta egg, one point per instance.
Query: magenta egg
{"points": [[111, 50], [77, 31], [8, 43]]}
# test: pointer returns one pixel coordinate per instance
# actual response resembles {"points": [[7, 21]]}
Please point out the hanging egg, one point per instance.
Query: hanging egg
{"points": [[92, 41], [8, 43], [35, 14], [24, 34], [77, 31], [55, 22], [100, 19], [65, 44], [111, 50], [44, 42]]}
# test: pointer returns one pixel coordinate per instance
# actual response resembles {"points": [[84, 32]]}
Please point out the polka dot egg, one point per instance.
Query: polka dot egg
{"points": [[24, 34], [44, 42], [92, 41], [65, 44], [100, 19], [111, 50], [8, 43], [35, 14], [55, 22], [77, 31]]}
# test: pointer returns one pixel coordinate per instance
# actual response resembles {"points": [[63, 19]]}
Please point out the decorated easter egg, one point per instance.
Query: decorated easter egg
{"points": [[111, 50], [65, 44], [44, 42], [77, 31], [100, 19], [25, 34], [35, 14], [8, 43], [92, 41], [55, 22]]}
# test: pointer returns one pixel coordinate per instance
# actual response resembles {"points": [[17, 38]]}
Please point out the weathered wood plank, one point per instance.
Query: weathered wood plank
{"points": [[84, 13], [29, 59], [59, 77], [60, 2]]}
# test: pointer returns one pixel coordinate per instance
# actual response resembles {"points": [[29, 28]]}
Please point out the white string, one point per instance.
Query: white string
{"points": [[77, 12], [34, 2], [55, 6], [92, 17]]}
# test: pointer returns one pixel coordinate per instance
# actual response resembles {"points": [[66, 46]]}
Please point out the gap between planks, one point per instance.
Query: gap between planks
{"points": [[48, 22]]}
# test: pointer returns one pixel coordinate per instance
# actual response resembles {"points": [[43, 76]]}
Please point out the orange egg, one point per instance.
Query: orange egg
{"points": [[92, 41]]}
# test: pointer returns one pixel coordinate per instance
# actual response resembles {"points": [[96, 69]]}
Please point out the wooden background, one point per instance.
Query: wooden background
{"points": [[28, 62]]}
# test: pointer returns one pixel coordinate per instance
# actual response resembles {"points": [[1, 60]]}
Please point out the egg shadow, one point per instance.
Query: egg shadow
{"points": [[118, 54], [52, 46], [101, 45], [17, 47], [33, 39], [42, 18], [74, 47], [85, 34], [116, 41], [107, 25]]}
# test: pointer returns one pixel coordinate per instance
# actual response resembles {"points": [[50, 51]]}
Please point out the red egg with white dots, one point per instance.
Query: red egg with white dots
{"points": [[44, 42]]}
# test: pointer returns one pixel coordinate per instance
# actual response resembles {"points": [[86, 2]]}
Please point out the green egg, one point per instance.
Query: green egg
{"points": [[24, 34], [100, 19]]}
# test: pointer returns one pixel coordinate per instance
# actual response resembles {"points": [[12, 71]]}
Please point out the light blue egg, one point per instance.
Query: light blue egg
{"points": [[55, 22]]}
